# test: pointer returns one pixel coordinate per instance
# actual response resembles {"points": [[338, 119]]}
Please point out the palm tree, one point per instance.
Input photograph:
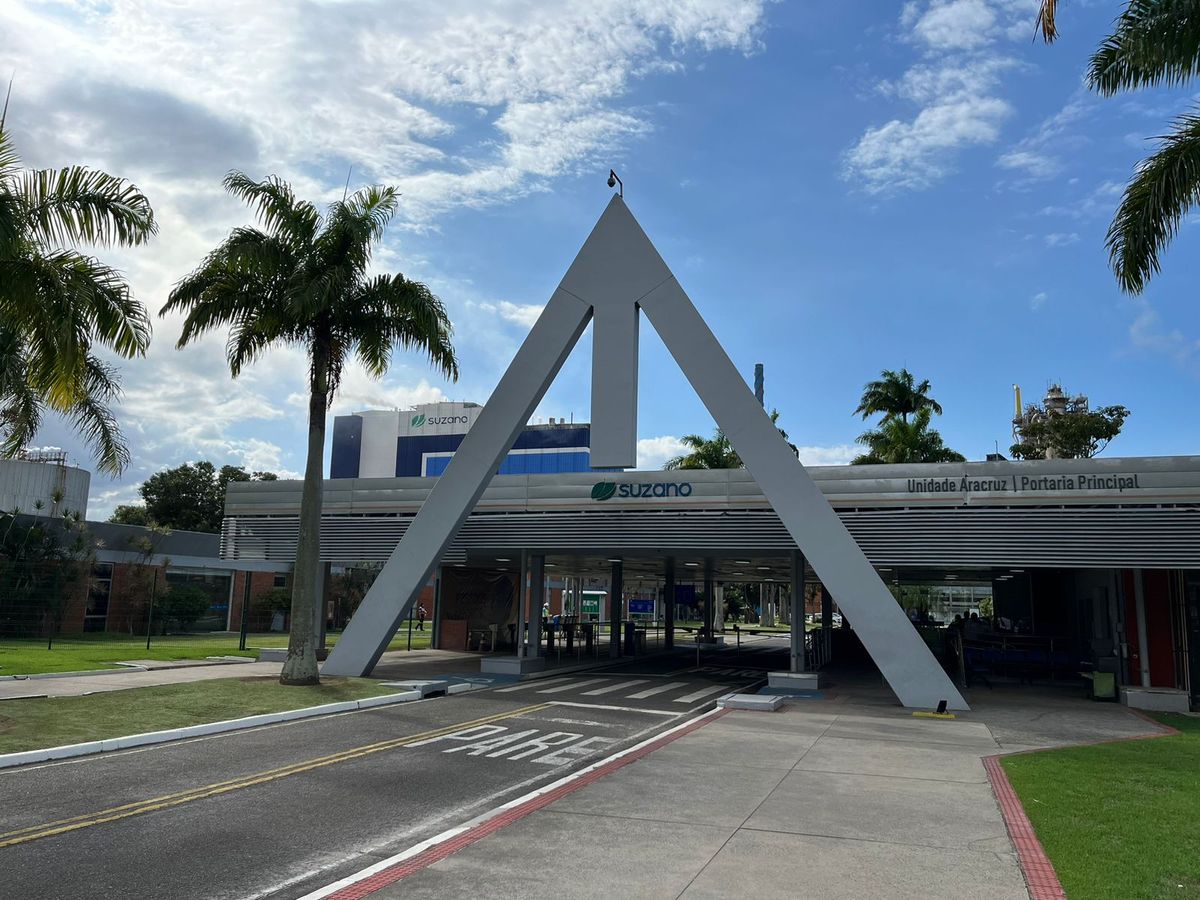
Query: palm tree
{"points": [[717, 453], [59, 306], [902, 441], [302, 280], [1154, 42], [714, 453], [896, 394]]}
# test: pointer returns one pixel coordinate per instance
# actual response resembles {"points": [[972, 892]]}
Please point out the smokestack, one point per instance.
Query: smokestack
{"points": [[758, 383]]}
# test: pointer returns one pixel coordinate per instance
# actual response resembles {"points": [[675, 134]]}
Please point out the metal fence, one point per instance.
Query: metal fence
{"points": [[68, 615]]}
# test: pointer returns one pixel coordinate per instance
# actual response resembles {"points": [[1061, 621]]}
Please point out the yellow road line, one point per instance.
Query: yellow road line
{"points": [[49, 829]]}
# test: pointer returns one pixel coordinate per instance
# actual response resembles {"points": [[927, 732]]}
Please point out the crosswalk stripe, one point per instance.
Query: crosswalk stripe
{"points": [[525, 685], [572, 685], [613, 687], [701, 694], [650, 692]]}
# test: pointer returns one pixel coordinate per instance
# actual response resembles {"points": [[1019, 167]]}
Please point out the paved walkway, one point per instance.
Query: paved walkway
{"points": [[824, 799]]}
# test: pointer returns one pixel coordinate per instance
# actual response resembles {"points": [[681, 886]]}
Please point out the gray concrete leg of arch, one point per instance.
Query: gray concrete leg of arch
{"points": [[618, 269]]}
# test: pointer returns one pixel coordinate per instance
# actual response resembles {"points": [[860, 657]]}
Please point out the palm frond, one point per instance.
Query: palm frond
{"points": [[1154, 42], [389, 312], [20, 405], [76, 204], [95, 422], [1047, 20], [1164, 188], [276, 204]]}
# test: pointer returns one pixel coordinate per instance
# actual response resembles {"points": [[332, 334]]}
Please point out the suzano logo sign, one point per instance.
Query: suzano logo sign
{"points": [[419, 421], [606, 490]]}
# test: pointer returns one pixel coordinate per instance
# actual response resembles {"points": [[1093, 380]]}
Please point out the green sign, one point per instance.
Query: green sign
{"points": [[418, 421], [591, 605]]}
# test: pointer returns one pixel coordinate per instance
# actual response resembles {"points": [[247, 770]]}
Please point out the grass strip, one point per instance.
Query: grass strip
{"points": [[1119, 820], [86, 652], [50, 722]]}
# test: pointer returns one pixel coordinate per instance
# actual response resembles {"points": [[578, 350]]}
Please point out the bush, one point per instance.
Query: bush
{"points": [[184, 604]]}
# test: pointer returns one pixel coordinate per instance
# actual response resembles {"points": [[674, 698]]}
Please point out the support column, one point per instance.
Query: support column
{"points": [[1139, 599], [708, 600], [521, 606], [537, 597], [797, 611], [435, 619], [615, 589], [321, 592], [718, 606], [669, 603], [826, 609]]}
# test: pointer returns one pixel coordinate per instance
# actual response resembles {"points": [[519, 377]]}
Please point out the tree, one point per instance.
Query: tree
{"points": [[717, 452], [302, 280], [44, 567], [706, 453], [1065, 428], [191, 497], [1154, 42], [59, 306], [898, 441], [896, 394], [183, 604], [130, 514]]}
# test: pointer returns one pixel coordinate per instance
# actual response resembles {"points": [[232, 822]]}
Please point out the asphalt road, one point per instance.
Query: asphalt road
{"points": [[279, 811]]}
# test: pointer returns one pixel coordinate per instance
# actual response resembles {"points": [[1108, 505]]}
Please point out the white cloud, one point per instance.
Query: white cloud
{"points": [[956, 87], [1147, 334], [653, 452], [460, 104], [835, 455], [1037, 155], [1038, 300], [954, 24], [1101, 201], [524, 314], [1061, 239]]}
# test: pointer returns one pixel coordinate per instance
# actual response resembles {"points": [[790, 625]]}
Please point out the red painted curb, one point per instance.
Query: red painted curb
{"points": [[428, 857], [1039, 873]]}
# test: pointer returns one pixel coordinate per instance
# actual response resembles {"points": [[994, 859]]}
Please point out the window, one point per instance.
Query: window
{"points": [[95, 613], [280, 580], [217, 584]]}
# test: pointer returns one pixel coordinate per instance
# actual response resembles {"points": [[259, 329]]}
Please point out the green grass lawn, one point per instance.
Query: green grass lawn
{"points": [[1119, 820], [81, 652], [51, 722]]}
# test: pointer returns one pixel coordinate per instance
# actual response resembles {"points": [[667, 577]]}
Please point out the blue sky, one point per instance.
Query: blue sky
{"points": [[841, 188]]}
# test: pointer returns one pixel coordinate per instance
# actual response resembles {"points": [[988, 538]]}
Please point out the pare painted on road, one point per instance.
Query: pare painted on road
{"points": [[727, 670], [550, 748]]}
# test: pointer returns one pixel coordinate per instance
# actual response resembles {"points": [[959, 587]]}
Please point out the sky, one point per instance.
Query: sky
{"points": [[840, 187]]}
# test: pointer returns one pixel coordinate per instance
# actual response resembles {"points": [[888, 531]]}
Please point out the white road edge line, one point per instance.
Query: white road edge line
{"points": [[454, 832]]}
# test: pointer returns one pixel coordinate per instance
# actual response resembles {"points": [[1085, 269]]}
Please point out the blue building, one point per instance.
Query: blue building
{"points": [[420, 442]]}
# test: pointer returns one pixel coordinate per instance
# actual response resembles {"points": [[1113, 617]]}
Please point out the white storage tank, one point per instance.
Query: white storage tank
{"points": [[42, 484]]}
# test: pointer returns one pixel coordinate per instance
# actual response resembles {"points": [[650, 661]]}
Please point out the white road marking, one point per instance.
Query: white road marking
{"points": [[573, 685], [455, 831], [530, 684], [614, 687], [650, 692], [706, 692]]}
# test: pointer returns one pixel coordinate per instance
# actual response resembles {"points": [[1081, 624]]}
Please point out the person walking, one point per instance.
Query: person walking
{"points": [[421, 614]]}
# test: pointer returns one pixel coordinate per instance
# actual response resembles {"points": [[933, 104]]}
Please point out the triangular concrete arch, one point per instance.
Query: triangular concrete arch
{"points": [[617, 272]]}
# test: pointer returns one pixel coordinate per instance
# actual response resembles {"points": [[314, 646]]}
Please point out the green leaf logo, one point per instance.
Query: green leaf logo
{"points": [[418, 421], [603, 490]]}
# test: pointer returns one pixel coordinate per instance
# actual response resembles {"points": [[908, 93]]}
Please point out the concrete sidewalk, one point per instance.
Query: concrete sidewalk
{"points": [[822, 800]]}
